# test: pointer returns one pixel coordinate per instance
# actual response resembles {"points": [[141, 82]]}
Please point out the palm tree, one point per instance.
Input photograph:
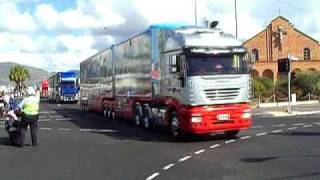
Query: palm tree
{"points": [[19, 75]]}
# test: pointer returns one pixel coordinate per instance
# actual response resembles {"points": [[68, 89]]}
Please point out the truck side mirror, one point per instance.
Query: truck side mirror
{"points": [[173, 61], [173, 69]]}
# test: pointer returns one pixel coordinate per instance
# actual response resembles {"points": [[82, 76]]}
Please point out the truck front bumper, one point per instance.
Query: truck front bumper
{"points": [[215, 118]]}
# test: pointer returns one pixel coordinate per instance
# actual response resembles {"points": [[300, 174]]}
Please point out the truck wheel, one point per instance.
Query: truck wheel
{"points": [[174, 125], [146, 122], [138, 115], [105, 112], [113, 115], [231, 134], [109, 113]]}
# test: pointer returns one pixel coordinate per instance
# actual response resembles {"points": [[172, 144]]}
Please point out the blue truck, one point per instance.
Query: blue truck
{"points": [[64, 87]]}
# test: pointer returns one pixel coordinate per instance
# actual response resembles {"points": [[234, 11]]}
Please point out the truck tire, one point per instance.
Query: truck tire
{"points": [[104, 112], [146, 122], [231, 134], [174, 125], [147, 116], [138, 115], [109, 113], [113, 114]]}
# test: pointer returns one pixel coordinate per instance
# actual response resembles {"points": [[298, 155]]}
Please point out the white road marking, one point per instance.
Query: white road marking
{"points": [[56, 116], [317, 123], [257, 127], [307, 126], [245, 137], [153, 176], [230, 141], [47, 112], [168, 166], [298, 124], [1, 122], [98, 130], [59, 105], [185, 158], [44, 120], [278, 125], [2, 126], [214, 146], [63, 119], [292, 128], [64, 129], [262, 134], [277, 131], [199, 152], [45, 128]]}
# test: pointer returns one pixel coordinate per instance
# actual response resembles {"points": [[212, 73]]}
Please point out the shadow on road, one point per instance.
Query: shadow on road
{"points": [[302, 176], [257, 159], [123, 129], [297, 133], [4, 141]]}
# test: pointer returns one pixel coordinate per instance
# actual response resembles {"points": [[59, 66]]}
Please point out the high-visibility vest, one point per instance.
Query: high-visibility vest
{"points": [[31, 105]]}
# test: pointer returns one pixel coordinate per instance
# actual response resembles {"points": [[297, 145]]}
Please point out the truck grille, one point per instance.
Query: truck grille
{"points": [[222, 94]]}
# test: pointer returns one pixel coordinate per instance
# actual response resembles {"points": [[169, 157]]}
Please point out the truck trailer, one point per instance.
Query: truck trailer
{"points": [[189, 79], [64, 87]]}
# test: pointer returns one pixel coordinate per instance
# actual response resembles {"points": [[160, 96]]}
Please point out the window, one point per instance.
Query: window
{"points": [[306, 54], [255, 55]]}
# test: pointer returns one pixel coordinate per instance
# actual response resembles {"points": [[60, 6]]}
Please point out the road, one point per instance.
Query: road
{"points": [[77, 145]]}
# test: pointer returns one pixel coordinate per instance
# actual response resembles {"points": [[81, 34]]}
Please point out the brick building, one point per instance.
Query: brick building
{"points": [[281, 40]]}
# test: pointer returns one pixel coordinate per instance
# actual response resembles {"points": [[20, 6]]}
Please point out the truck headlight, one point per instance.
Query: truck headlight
{"points": [[196, 119], [246, 114]]}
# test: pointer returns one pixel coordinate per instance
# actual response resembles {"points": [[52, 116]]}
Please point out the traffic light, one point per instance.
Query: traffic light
{"points": [[284, 65], [293, 75]]}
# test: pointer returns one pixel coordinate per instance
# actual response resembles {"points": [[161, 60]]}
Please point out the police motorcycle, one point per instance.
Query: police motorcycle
{"points": [[2, 107], [11, 125]]}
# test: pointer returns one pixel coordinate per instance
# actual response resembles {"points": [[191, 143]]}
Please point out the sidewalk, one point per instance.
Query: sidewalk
{"points": [[280, 109]]}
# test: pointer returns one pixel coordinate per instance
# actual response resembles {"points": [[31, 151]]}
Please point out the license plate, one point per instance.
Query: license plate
{"points": [[223, 117]]}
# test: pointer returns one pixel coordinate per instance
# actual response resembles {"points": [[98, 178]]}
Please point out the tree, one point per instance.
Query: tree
{"points": [[19, 75]]}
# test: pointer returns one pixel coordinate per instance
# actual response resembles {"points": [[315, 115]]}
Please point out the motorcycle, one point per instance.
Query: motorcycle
{"points": [[11, 125], [2, 107]]}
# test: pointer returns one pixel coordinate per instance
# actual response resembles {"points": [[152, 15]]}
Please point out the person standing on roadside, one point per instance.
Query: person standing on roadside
{"points": [[12, 102], [29, 107], [6, 99]]}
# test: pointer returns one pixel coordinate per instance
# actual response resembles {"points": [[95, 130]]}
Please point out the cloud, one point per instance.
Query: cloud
{"points": [[11, 19]]}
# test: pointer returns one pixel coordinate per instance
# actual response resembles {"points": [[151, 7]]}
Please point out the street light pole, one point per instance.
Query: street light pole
{"points": [[236, 17], [195, 12]]}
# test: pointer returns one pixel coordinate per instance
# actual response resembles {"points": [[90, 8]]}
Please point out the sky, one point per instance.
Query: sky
{"points": [[56, 35]]}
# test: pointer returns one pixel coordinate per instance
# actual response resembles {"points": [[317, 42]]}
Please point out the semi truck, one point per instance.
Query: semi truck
{"points": [[188, 79], [64, 87]]}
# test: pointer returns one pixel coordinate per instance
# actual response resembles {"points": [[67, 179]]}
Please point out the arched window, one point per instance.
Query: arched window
{"points": [[255, 55], [306, 54]]}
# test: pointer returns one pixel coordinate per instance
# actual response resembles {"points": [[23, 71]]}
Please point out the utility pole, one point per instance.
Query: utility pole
{"points": [[236, 17], [195, 12], [289, 88]]}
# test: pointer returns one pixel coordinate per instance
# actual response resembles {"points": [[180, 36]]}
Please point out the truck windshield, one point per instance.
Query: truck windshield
{"points": [[68, 83], [216, 64]]}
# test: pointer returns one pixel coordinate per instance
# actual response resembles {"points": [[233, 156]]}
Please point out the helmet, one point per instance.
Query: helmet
{"points": [[31, 91]]}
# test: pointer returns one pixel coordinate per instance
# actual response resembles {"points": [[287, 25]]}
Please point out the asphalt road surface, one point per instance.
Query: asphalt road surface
{"points": [[77, 145]]}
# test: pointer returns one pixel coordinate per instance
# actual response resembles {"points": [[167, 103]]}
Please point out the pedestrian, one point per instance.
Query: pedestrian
{"points": [[29, 107], [12, 102], [6, 99]]}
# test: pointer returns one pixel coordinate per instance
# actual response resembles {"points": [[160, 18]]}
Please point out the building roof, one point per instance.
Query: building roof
{"points": [[285, 19]]}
